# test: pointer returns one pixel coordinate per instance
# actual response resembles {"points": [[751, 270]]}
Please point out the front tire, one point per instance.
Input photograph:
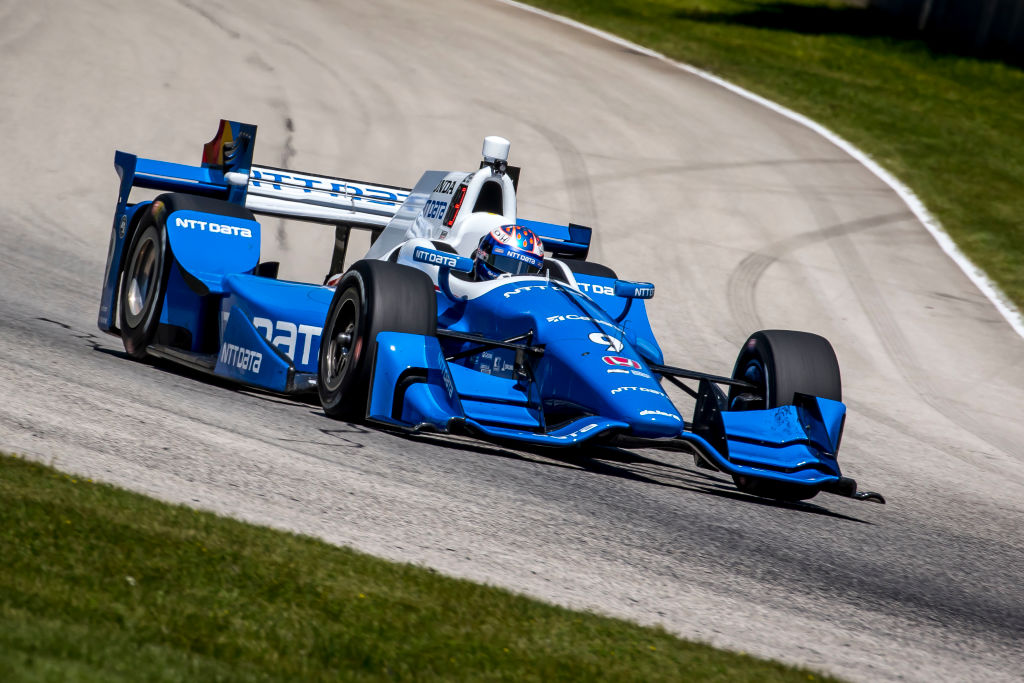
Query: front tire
{"points": [[782, 363], [372, 297]]}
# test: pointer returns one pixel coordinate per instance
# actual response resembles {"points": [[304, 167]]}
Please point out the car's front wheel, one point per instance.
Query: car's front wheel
{"points": [[780, 364], [372, 297]]}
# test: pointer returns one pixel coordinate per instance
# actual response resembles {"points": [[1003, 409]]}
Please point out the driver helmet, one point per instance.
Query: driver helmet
{"points": [[508, 250]]}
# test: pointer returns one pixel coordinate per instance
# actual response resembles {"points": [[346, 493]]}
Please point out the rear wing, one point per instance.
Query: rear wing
{"points": [[322, 198], [227, 172]]}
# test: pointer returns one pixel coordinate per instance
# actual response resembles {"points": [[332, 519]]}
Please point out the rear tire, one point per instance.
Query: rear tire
{"points": [[372, 297], [589, 268], [148, 265], [782, 363], [144, 284]]}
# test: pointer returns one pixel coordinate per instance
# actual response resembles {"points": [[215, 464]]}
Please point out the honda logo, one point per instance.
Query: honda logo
{"points": [[621, 362]]}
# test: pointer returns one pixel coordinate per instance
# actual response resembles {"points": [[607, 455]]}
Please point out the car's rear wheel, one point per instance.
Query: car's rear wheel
{"points": [[144, 284], [589, 268], [372, 297], [147, 265], [780, 364]]}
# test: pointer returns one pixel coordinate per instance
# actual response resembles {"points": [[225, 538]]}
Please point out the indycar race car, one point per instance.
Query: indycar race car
{"points": [[409, 337]]}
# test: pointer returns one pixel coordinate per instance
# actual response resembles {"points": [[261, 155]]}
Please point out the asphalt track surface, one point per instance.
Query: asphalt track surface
{"points": [[745, 220]]}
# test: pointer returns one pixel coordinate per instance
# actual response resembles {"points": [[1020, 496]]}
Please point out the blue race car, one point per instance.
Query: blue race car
{"points": [[461, 318]]}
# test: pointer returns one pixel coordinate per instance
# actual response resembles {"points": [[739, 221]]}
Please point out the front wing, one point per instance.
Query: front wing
{"points": [[414, 388]]}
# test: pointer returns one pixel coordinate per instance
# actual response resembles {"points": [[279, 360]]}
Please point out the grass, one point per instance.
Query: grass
{"points": [[950, 127], [98, 584]]}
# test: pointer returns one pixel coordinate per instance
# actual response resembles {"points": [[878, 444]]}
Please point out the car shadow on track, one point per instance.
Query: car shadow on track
{"points": [[616, 462], [602, 460]]}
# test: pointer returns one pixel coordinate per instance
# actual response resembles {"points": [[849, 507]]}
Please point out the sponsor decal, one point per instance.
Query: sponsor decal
{"points": [[643, 389], [621, 361], [123, 227], [289, 336], [446, 186], [579, 432], [634, 290], [494, 364], [209, 226], [596, 289], [583, 430], [434, 208], [446, 375], [285, 182], [662, 413], [518, 255], [520, 290], [621, 371], [436, 258], [612, 344], [244, 359], [585, 318]]}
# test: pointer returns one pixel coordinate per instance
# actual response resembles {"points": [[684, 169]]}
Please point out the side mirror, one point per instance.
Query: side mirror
{"points": [[443, 260], [634, 290]]}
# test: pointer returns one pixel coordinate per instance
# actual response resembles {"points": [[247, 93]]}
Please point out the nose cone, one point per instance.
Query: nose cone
{"points": [[589, 365], [603, 373], [657, 424], [647, 410]]}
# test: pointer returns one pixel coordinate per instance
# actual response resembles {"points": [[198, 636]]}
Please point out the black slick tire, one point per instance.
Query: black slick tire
{"points": [[372, 297], [144, 283], [147, 265], [589, 268], [781, 363]]}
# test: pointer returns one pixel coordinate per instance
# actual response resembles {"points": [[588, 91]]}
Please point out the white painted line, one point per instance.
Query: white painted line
{"points": [[974, 273]]}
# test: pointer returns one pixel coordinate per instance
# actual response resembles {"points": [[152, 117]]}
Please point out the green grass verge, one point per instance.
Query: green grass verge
{"points": [[950, 127], [99, 584]]}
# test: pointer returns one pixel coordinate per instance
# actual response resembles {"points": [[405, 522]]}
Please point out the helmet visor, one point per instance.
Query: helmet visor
{"points": [[505, 260]]}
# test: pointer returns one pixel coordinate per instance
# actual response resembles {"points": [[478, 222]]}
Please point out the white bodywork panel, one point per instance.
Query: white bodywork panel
{"points": [[429, 206], [455, 207], [323, 198]]}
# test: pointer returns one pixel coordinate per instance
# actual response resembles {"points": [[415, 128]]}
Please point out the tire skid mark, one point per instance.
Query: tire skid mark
{"points": [[981, 280], [582, 205], [741, 296], [287, 154], [660, 168], [883, 321], [743, 281], [366, 116], [211, 17], [894, 340]]}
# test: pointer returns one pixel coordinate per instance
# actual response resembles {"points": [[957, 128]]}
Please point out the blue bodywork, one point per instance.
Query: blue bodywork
{"points": [[568, 364], [593, 381], [218, 314]]}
